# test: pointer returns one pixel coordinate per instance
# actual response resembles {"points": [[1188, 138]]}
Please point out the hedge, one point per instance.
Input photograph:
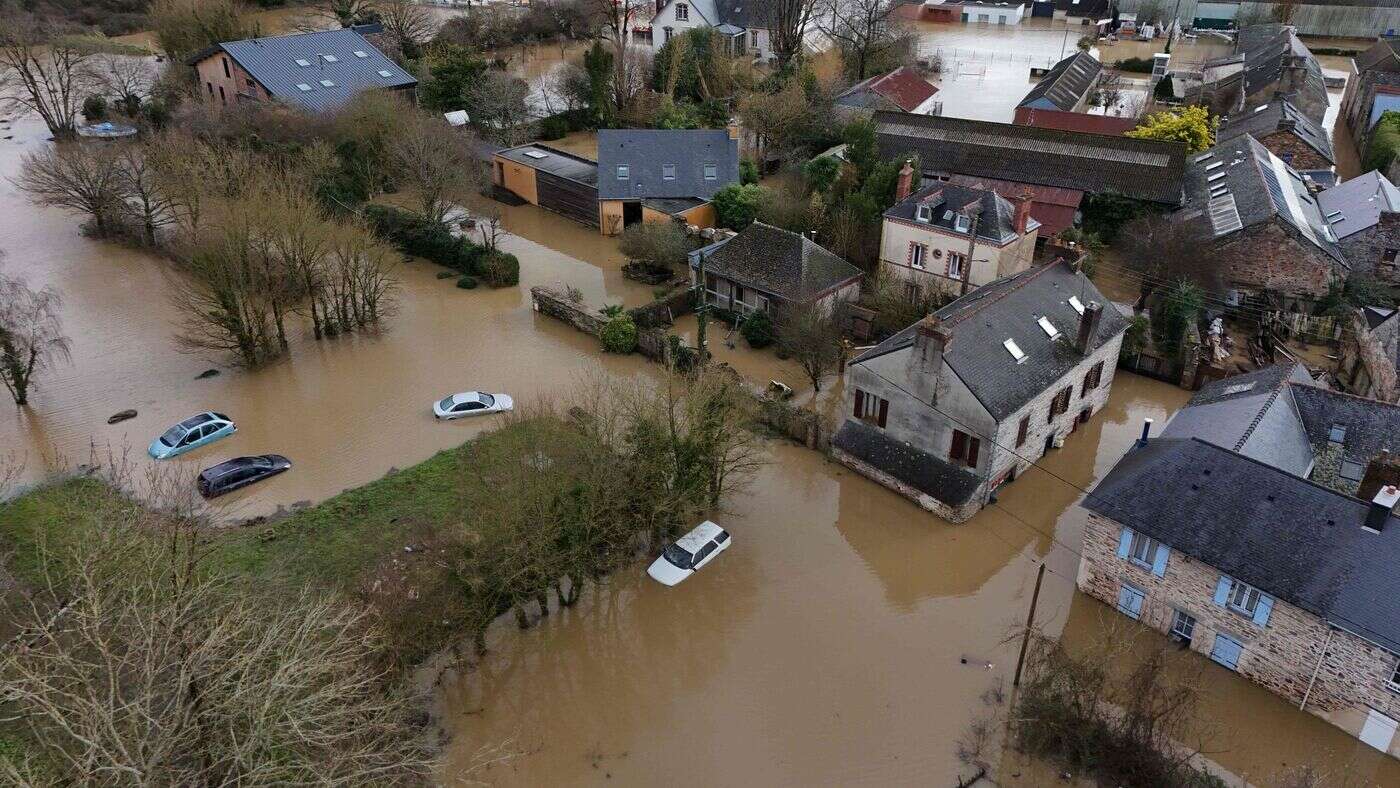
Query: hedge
{"points": [[1385, 143], [414, 235]]}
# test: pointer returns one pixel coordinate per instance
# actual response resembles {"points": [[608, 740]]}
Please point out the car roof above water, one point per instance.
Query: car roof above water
{"points": [[195, 421], [699, 536], [215, 471]]}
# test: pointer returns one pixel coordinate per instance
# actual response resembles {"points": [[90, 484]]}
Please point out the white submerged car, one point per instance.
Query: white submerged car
{"points": [[471, 403], [690, 552]]}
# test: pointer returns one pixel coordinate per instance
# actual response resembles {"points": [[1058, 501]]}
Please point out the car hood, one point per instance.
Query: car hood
{"points": [[159, 449], [667, 573]]}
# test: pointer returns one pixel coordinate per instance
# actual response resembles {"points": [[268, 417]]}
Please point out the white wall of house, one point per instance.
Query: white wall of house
{"points": [[702, 14], [993, 13], [898, 240]]}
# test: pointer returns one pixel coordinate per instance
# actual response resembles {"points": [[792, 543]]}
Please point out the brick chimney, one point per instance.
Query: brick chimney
{"points": [[1382, 506], [1088, 326], [733, 129], [1382, 471], [931, 341], [1023, 212], [906, 180]]}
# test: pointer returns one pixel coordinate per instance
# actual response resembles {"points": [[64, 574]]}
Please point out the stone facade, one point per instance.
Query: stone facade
{"points": [[1296, 654], [990, 261], [1273, 256], [1375, 249], [1368, 362]]}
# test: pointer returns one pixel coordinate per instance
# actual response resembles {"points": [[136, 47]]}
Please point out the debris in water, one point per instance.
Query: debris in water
{"points": [[208, 373], [121, 416]]}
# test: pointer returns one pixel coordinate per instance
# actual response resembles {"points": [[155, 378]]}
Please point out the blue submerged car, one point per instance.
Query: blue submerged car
{"points": [[192, 433]]}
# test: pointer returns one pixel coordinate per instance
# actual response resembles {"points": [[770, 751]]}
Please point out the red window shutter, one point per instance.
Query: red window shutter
{"points": [[974, 445], [860, 402], [959, 447], [884, 411]]}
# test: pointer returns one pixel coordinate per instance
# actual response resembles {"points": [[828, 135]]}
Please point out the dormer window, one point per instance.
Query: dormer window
{"points": [[1047, 327], [923, 213], [961, 223]]}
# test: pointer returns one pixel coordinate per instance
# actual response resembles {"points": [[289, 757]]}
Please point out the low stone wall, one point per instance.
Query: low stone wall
{"points": [[664, 311], [557, 305]]}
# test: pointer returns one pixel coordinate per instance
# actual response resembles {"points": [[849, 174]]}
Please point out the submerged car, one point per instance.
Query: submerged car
{"points": [[192, 433], [240, 472], [688, 553], [471, 403]]}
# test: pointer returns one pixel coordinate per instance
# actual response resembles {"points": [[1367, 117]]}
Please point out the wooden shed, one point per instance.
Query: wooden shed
{"points": [[550, 178]]}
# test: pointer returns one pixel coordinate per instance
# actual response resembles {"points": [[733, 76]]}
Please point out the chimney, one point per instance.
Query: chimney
{"points": [[1023, 213], [1381, 471], [906, 180], [931, 341], [1381, 508], [1088, 326], [733, 128]]}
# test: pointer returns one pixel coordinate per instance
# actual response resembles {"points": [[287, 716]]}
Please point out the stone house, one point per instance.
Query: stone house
{"points": [[1364, 214], [1369, 361], [1282, 579], [317, 71], [952, 238], [737, 21], [1289, 134], [768, 269], [1259, 222], [1269, 61], [1372, 89], [952, 407]]}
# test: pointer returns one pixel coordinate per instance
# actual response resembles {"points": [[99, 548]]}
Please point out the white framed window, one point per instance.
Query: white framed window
{"points": [[682, 12], [1047, 327], [331, 58], [916, 255], [961, 223], [303, 87], [385, 73], [361, 54], [623, 172], [955, 265], [1393, 684], [1183, 626], [304, 63], [753, 39], [923, 213], [1142, 550], [1243, 598], [1076, 304], [711, 172], [668, 172], [1014, 350], [326, 83]]}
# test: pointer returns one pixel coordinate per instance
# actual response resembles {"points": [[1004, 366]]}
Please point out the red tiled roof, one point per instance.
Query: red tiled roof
{"points": [[905, 88], [1073, 121]]}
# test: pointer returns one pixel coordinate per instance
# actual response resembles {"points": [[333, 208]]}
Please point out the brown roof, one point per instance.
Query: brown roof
{"points": [[1074, 121], [904, 87]]}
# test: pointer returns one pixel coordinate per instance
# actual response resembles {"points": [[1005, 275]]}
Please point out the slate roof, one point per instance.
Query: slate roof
{"points": [[1096, 163], [739, 13], [1371, 426], [998, 216], [1357, 204], [927, 473], [554, 161], [647, 151], [1297, 540], [1253, 414], [903, 89], [272, 61], [1384, 55], [1007, 309], [1265, 49], [1376, 315], [1239, 183], [1066, 84], [1278, 115], [776, 261]]}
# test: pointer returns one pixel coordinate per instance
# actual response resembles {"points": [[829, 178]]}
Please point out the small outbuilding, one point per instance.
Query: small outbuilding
{"points": [[768, 269]]}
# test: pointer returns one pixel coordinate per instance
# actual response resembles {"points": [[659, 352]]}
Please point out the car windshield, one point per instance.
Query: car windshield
{"points": [[446, 403], [487, 399], [260, 462], [173, 435], [678, 555]]}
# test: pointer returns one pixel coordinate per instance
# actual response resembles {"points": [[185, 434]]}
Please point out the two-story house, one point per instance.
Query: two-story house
{"points": [[1364, 214], [1260, 530], [738, 21], [954, 238], [965, 400]]}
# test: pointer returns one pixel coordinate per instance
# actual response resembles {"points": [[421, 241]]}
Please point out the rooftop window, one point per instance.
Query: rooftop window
{"points": [[1048, 327], [711, 172], [1014, 350], [1077, 304], [623, 172], [1215, 164], [1338, 433], [668, 172], [534, 154], [303, 87], [386, 74], [1217, 176], [361, 53], [1351, 471], [326, 83], [1239, 388], [303, 63], [331, 58]]}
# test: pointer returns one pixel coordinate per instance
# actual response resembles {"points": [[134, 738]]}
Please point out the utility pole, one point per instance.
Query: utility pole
{"points": [[971, 250], [1171, 31], [1030, 621], [701, 309]]}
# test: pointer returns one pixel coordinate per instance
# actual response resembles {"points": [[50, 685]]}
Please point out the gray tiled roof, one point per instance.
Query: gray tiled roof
{"points": [[1253, 414], [1277, 115], [1357, 204], [1266, 48], [1008, 309], [1096, 163], [272, 62], [998, 215], [1371, 426], [1297, 540], [1065, 85], [646, 152], [927, 473], [739, 13], [1239, 183], [776, 261]]}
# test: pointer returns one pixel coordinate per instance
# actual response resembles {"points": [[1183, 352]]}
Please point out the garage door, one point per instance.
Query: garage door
{"points": [[575, 200]]}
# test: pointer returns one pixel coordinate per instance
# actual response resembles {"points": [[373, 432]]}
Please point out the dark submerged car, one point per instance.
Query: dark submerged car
{"points": [[240, 472]]}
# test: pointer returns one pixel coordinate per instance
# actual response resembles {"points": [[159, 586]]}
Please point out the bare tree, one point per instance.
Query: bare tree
{"points": [[499, 108], [864, 30], [408, 23], [1160, 250], [31, 334], [183, 27], [147, 202], [339, 13], [80, 178], [40, 73], [787, 21], [812, 335], [783, 122], [617, 18], [437, 164]]}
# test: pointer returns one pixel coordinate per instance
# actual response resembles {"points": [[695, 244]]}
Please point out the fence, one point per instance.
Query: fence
{"points": [[953, 57]]}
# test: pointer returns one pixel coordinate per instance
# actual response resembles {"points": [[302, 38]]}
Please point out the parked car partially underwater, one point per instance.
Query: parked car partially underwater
{"points": [[192, 433], [471, 403], [239, 472], [688, 553]]}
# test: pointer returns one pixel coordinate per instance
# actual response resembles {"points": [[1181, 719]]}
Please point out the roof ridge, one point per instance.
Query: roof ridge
{"points": [[976, 305], [294, 35], [1347, 394], [1271, 468], [1264, 408]]}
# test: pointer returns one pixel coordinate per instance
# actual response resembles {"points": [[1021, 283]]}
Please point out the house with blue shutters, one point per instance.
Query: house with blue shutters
{"points": [[1261, 530]]}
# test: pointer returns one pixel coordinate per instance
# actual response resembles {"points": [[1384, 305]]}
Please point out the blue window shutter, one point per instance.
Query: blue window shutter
{"points": [[1124, 542], [1159, 561], [1222, 590], [1261, 612]]}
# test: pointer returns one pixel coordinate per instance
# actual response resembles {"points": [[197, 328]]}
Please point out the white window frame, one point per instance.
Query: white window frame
{"points": [[682, 12], [1250, 594], [916, 254], [711, 172], [1393, 683], [668, 172], [1181, 620], [753, 39], [923, 213], [1142, 543], [624, 172], [956, 262]]}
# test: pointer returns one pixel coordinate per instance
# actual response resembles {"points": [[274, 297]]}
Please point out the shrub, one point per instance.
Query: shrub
{"points": [[95, 108], [499, 269], [748, 171], [554, 127], [1385, 142], [1137, 65], [414, 235], [758, 330], [659, 243], [619, 335], [737, 205], [467, 283], [445, 274]]}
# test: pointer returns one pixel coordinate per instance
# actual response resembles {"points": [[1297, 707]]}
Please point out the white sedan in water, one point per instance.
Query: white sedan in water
{"points": [[690, 552], [471, 403]]}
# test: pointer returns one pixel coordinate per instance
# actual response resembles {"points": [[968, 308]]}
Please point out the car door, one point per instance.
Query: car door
{"points": [[721, 541], [703, 556], [191, 439]]}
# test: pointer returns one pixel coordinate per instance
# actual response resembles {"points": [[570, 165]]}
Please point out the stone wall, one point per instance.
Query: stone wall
{"points": [[1298, 154], [1268, 256], [1366, 250], [557, 305], [663, 311], [1282, 656]]}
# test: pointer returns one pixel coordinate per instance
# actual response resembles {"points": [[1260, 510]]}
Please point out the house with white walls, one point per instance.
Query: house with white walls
{"points": [[738, 21]]}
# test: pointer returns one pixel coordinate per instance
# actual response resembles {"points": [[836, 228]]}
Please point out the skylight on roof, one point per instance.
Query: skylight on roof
{"points": [[303, 87], [1077, 304], [1048, 327], [361, 53], [1202, 158], [534, 154], [1215, 177], [1214, 165], [1014, 350], [303, 63], [386, 74], [331, 58], [1238, 388], [1261, 109], [326, 83]]}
